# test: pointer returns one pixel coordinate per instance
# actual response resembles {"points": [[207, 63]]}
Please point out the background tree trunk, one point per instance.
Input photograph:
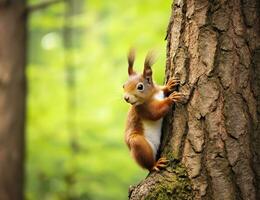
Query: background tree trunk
{"points": [[12, 98], [214, 48]]}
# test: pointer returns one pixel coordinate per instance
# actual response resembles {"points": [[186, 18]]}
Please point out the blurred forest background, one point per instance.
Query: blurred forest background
{"points": [[75, 112]]}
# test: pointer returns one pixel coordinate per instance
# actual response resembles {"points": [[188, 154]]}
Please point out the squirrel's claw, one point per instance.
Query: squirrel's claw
{"points": [[177, 97], [172, 83], [160, 164]]}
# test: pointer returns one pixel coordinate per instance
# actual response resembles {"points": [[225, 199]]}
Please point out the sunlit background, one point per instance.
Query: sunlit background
{"points": [[76, 67]]}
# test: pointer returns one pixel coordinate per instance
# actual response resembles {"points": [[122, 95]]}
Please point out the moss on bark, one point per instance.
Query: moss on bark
{"points": [[171, 183]]}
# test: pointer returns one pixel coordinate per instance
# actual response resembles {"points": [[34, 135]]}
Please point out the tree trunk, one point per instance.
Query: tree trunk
{"points": [[12, 98], [214, 48]]}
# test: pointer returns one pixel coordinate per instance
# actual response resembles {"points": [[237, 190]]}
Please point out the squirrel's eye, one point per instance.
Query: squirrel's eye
{"points": [[140, 87]]}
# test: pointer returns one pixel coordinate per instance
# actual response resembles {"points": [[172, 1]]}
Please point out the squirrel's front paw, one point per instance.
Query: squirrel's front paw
{"points": [[172, 83], [177, 97]]}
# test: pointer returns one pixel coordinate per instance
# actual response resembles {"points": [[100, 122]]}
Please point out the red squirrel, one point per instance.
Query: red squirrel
{"points": [[150, 103]]}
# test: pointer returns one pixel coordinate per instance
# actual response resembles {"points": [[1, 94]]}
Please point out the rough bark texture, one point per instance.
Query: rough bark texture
{"points": [[12, 99], [214, 48]]}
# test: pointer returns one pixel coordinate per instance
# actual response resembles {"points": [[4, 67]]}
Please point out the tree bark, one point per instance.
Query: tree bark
{"points": [[214, 48], [12, 98]]}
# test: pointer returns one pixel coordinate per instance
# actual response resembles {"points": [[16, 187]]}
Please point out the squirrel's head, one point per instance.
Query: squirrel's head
{"points": [[139, 87]]}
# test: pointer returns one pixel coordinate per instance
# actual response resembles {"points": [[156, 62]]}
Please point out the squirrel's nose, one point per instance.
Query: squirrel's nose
{"points": [[126, 98]]}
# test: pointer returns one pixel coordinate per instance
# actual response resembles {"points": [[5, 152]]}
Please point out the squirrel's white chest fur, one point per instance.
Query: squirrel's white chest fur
{"points": [[152, 129]]}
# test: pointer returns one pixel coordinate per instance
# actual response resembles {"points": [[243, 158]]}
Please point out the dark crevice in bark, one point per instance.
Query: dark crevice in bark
{"points": [[166, 131], [237, 189], [184, 136], [209, 191], [238, 194], [256, 127]]}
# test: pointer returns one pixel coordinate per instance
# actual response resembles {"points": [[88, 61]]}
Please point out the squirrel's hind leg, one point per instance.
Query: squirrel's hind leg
{"points": [[141, 151]]}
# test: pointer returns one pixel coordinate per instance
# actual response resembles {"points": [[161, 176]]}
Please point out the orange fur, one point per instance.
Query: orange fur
{"points": [[140, 91], [141, 151], [154, 109]]}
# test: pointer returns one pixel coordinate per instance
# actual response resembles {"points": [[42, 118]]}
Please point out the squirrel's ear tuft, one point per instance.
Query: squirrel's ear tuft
{"points": [[149, 61], [131, 59]]}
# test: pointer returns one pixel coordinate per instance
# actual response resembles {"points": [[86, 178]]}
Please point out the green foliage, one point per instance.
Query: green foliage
{"points": [[75, 141]]}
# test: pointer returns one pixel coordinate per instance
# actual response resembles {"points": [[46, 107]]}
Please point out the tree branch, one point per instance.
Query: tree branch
{"points": [[42, 5]]}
